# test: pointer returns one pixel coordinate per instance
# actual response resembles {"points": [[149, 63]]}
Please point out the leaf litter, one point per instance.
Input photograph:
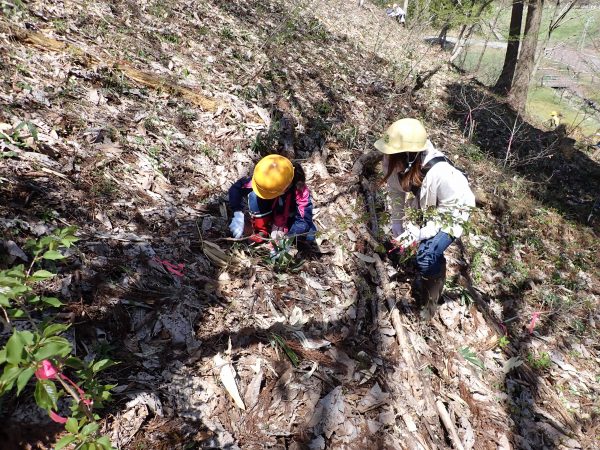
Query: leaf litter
{"points": [[139, 155]]}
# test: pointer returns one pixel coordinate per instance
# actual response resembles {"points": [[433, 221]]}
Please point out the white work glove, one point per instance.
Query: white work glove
{"points": [[237, 224], [277, 233], [409, 237]]}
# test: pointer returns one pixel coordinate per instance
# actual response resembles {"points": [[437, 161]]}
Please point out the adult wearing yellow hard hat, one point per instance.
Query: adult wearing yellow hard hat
{"points": [[439, 190], [279, 202], [554, 119]]}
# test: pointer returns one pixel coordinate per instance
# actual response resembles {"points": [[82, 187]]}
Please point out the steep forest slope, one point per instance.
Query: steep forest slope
{"points": [[130, 120]]}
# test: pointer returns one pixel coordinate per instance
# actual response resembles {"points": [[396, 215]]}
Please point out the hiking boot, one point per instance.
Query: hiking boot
{"points": [[430, 293]]}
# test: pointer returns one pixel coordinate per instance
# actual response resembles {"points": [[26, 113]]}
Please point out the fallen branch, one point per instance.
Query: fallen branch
{"points": [[414, 378], [447, 421], [147, 79], [370, 206]]}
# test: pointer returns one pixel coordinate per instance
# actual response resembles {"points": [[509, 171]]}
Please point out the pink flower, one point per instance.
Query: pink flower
{"points": [[47, 371]]}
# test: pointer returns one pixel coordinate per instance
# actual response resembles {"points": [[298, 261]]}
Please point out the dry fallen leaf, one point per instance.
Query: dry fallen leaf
{"points": [[227, 376]]}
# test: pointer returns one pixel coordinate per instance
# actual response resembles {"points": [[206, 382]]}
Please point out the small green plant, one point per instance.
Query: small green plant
{"points": [[324, 109], [348, 136], [17, 137], [42, 352], [157, 9], [170, 37], [471, 357], [154, 152], [460, 292], [541, 362], [103, 186], [115, 80], [476, 267], [281, 259], [226, 33], [59, 25], [277, 340], [472, 152], [503, 342], [12, 8], [316, 31], [207, 150]]}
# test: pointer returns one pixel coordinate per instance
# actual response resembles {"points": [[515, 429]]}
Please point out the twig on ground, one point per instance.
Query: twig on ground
{"points": [[447, 421]]}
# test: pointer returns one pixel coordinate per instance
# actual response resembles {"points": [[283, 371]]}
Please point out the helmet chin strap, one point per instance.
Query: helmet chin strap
{"points": [[410, 163]]}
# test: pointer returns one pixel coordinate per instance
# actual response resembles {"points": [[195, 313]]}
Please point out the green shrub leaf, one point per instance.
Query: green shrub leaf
{"points": [[90, 428], [53, 255], [102, 364], [14, 349], [71, 426], [52, 347], [471, 357], [64, 441], [41, 275], [23, 378], [52, 301], [104, 442], [42, 398], [7, 380], [54, 329]]}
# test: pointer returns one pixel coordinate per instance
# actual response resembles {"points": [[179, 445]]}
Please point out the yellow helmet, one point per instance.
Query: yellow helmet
{"points": [[404, 135], [554, 114], [272, 176]]}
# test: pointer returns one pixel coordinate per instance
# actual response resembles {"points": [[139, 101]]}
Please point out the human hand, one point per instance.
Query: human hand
{"points": [[277, 232], [409, 237]]}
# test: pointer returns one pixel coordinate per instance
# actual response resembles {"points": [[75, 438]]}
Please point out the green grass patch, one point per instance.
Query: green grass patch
{"points": [[543, 100], [491, 63], [571, 29]]}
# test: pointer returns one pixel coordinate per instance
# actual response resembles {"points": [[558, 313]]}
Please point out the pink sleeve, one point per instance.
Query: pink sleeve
{"points": [[302, 199]]}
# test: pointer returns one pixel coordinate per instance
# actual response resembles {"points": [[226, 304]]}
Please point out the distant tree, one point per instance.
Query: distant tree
{"points": [[505, 81], [526, 61], [561, 9]]}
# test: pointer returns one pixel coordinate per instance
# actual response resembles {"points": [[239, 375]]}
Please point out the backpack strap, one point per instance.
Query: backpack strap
{"points": [[433, 161], [427, 167]]}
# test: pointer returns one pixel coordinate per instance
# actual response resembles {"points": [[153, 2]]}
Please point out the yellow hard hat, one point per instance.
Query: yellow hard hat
{"points": [[554, 113], [404, 135], [272, 176]]}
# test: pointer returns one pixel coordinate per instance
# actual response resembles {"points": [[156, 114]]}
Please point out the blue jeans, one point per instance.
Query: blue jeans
{"points": [[430, 255]]}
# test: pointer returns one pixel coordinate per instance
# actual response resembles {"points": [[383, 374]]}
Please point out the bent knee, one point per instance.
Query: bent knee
{"points": [[430, 264]]}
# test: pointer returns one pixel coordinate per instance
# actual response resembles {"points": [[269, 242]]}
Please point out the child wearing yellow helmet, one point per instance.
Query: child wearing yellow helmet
{"points": [[279, 202]]}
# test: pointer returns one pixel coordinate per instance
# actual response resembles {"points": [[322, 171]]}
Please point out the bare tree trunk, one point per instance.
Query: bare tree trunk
{"points": [[442, 35], [505, 80], [461, 42], [526, 62]]}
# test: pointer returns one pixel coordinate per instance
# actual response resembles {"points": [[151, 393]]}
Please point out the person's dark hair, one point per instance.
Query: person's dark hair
{"points": [[299, 176], [413, 179]]}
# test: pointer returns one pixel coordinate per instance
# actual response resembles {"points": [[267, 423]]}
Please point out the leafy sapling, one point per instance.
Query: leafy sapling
{"points": [[43, 354]]}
